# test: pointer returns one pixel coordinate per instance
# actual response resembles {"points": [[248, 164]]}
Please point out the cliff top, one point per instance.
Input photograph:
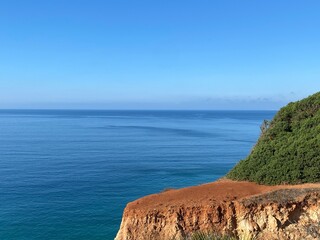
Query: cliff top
{"points": [[210, 194]]}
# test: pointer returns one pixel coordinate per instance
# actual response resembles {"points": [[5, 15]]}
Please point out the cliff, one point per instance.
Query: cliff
{"points": [[241, 209]]}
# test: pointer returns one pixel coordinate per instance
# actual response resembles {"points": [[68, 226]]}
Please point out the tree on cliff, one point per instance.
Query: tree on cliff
{"points": [[288, 151]]}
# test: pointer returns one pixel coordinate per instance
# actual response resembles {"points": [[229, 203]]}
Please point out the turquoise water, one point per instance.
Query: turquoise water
{"points": [[69, 174]]}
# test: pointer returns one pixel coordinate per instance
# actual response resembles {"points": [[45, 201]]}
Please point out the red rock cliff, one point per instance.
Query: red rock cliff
{"points": [[242, 209]]}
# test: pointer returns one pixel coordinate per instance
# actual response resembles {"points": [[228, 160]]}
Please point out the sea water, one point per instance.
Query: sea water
{"points": [[69, 174]]}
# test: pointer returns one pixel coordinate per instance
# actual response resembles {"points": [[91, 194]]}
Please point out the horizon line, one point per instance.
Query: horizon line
{"points": [[100, 109]]}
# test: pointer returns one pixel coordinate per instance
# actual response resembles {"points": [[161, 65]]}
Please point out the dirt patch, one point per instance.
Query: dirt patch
{"points": [[220, 191]]}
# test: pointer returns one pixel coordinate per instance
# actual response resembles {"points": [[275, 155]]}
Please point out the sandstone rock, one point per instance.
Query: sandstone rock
{"points": [[239, 208]]}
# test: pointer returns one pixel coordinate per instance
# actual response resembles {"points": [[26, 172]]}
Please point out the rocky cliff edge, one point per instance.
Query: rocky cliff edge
{"points": [[242, 209]]}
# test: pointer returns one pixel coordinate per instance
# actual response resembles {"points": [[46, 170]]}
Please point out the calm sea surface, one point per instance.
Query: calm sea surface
{"points": [[69, 174]]}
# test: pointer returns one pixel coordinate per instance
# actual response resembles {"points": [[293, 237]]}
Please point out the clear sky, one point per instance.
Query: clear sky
{"points": [[158, 54]]}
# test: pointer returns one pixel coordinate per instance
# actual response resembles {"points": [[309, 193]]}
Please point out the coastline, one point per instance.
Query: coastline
{"points": [[225, 205]]}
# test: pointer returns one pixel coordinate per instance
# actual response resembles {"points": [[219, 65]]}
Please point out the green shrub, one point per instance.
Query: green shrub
{"points": [[288, 150], [209, 236], [201, 235]]}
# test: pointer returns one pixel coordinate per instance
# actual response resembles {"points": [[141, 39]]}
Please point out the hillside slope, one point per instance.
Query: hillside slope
{"points": [[288, 150]]}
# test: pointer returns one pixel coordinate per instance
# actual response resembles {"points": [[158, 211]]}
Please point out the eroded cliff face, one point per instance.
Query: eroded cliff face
{"points": [[239, 208]]}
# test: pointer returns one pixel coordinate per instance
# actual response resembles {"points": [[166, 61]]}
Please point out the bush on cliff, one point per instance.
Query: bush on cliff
{"points": [[199, 235], [288, 150]]}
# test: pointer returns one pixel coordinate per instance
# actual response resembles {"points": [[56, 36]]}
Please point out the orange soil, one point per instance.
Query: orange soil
{"points": [[219, 191]]}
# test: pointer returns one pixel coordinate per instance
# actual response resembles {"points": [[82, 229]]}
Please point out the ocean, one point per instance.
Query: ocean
{"points": [[68, 174]]}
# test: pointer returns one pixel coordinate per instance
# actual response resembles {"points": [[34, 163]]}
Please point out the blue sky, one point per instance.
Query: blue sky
{"points": [[158, 54]]}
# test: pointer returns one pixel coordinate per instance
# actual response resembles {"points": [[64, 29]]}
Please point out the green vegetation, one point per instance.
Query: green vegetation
{"points": [[209, 236], [199, 235], [288, 150]]}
